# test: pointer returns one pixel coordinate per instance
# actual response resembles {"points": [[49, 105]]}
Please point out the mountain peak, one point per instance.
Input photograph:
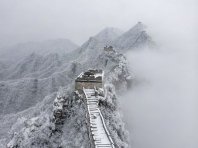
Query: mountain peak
{"points": [[134, 38], [138, 28], [108, 34], [102, 39]]}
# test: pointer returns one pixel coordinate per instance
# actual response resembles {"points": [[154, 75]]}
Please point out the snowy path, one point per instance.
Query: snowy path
{"points": [[99, 131]]}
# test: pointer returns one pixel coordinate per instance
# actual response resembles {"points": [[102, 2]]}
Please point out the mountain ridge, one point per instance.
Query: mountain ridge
{"points": [[36, 78], [136, 37], [60, 46]]}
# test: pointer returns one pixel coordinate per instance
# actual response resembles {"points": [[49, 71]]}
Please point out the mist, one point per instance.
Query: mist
{"points": [[161, 108]]}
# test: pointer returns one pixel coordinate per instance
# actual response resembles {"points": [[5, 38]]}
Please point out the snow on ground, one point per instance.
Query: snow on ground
{"points": [[98, 128]]}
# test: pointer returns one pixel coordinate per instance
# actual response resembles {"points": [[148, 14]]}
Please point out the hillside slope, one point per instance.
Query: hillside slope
{"points": [[19, 51], [29, 85]]}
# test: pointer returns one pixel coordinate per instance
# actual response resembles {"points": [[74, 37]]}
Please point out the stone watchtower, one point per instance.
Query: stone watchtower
{"points": [[89, 80], [108, 48]]}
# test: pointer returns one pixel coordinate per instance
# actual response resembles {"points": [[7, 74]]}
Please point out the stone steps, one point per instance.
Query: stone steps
{"points": [[99, 132]]}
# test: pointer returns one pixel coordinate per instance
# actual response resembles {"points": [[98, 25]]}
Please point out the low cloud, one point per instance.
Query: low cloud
{"points": [[161, 108]]}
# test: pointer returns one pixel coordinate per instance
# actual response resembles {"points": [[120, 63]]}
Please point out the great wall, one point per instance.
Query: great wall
{"points": [[87, 84]]}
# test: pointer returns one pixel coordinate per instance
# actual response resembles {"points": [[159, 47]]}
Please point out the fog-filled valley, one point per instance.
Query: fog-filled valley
{"points": [[161, 107]]}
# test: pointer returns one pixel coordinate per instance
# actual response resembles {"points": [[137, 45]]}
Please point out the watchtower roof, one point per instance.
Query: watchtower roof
{"points": [[92, 75]]}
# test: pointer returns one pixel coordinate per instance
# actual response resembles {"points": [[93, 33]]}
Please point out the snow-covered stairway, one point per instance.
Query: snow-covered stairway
{"points": [[101, 136]]}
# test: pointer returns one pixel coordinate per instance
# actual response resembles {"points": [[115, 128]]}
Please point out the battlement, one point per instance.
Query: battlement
{"points": [[89, 80], [108, 48]]}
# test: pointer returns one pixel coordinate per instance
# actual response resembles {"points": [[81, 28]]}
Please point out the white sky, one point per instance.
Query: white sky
{"points": [[32, 20]]}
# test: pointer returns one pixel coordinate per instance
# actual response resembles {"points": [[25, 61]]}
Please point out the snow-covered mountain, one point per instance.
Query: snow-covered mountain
{"points": [[33, 65], [136, 37], [74, 131], [29, 85], [2, 65], [29, 81], [94, 46], [60, 46], [108, 34], [104, 37]]}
